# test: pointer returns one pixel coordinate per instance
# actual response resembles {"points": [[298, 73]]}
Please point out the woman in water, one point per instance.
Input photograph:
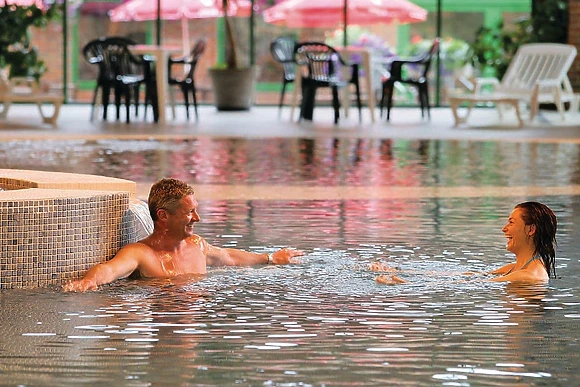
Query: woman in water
{"points": [[531, 236]]}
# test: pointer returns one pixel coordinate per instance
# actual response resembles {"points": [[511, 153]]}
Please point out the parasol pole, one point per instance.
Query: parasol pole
{"points": [[158, 22], [438, 57], [252, 37], [344, 19], [64, 51], [185, 35]]}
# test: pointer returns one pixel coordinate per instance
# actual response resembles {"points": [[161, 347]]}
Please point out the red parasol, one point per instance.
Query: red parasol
{"points": [[23, 3], [329, 13], [140, 10]]}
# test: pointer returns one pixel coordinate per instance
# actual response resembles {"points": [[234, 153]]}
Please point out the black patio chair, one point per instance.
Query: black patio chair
{"points": [[120, 72], [282, 50], [421, 82], [185, 81], [323, 67]]}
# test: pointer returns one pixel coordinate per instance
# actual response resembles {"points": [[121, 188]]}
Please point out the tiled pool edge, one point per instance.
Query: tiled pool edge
{"points": [[49, 236]]}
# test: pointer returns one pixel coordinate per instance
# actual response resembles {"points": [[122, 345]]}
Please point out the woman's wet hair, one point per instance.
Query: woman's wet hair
{"points": [[166, 194], [546, 224]]}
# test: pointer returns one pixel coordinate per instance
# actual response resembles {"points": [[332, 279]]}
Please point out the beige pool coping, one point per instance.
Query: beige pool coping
{"points": [[19, 179], [264, 122]]}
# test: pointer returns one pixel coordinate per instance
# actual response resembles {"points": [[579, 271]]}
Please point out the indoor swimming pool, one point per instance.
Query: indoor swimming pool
{"points": [[323, 321]]}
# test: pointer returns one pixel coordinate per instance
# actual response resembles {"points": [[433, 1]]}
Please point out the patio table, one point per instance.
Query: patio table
{"points": [[161, 54]]}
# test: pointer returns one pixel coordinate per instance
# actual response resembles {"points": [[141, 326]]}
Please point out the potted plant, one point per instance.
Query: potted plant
{"points": [[233, 84], [17, 56]]}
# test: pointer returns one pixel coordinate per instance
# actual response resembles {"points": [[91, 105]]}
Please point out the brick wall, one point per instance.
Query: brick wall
{"points": [[50, 42], [574, 39]]}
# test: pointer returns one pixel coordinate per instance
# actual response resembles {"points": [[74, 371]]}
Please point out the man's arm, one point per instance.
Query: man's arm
{"points": [[217, 256], [120, 266]]}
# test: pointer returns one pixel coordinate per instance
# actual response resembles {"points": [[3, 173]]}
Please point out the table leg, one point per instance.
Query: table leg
{"points": [[369, 83], [295, 92], [161, 79], [346, 99]]}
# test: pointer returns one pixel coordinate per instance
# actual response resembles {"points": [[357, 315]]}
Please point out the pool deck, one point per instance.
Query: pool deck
{"points": [[24, 123], [263, 122]]}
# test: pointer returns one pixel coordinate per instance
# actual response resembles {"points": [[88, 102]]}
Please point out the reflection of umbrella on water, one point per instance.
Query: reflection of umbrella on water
{"points": [[141, 10], [330, 13]]}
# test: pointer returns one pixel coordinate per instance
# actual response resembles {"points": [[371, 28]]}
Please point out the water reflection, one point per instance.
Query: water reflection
{"points": [[320, 162]]}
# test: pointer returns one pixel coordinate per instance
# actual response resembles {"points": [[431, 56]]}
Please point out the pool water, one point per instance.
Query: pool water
{"points": [[306, 162], [324, 321]]}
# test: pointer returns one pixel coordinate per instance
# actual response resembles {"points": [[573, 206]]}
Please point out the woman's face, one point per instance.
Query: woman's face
{"points": [[519, 236]]}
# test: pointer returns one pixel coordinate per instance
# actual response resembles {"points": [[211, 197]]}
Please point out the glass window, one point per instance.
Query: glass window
{"points": [[460, 21]]}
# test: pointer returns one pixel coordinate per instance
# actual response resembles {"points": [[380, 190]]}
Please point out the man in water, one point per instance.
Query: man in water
{"points": [[173, 248]]}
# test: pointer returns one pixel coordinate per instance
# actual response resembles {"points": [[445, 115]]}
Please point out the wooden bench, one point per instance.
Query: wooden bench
{"points": [[26, 90]]}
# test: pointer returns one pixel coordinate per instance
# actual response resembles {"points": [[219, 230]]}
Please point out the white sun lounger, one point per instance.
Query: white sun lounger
{"points": [[537, 74]]}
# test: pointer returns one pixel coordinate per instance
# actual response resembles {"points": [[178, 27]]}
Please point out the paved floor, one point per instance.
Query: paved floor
{"points": [[262, 122]]}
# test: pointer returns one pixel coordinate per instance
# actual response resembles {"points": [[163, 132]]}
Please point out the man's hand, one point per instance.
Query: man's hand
{"points": [[285, 255], [80, 286]]}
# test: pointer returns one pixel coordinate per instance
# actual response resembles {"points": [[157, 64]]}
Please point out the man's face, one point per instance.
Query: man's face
{"points": [[183, 219]]}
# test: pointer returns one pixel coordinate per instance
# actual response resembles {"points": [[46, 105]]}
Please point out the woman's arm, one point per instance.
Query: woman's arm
{"points": [[504, 269]]}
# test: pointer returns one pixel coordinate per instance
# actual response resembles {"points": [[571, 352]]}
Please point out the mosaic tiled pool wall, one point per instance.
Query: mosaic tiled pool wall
{"points": [[50, 236]]}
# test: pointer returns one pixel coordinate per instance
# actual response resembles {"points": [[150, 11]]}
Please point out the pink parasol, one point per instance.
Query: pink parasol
{"points": [[141, 10], [23, 3], [329, 13]]}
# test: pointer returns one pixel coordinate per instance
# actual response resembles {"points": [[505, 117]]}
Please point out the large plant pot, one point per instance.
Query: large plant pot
{"points": [[234, 88]]}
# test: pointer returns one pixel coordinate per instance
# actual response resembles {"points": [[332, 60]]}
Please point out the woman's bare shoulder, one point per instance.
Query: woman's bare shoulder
{"points": [[531, 275]]}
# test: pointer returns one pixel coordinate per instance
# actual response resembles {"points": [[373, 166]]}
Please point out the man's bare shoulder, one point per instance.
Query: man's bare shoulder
{"points": [[141, 246], [139, 253], [196, 239], [145, 258], [198, 242]]}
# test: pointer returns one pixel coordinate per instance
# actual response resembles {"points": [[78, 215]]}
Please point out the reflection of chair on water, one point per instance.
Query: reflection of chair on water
{"points": [[282, 50], [186, 81], [322, 66], [537, 74], [119, 71], [420, 81]]}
